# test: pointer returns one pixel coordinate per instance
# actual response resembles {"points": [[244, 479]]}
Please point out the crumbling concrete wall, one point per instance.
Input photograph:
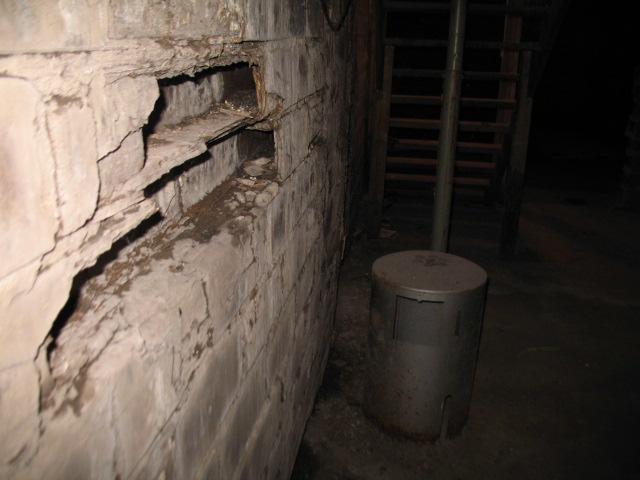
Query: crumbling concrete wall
{"points": [[171, 221]]}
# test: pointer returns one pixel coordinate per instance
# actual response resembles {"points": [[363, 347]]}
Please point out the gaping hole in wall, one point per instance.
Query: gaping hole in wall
{"points": [[73, 308], [250, 145], [184, 98], [254, 144], [256, 151], [206, 171], [193, 117], [247, 153], [206, 192]]}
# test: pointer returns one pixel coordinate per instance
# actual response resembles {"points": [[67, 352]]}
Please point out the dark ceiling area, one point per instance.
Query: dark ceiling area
{"points": [[583, 102]]}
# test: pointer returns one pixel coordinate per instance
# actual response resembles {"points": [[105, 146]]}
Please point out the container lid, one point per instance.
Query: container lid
{"points": [[424, 271]]}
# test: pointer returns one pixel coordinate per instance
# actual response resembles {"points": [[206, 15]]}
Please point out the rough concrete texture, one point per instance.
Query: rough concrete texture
{"points": [[169, 280], [556, 392]]}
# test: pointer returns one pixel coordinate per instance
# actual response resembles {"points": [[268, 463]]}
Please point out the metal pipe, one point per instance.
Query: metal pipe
{"points": [[449, 128]]}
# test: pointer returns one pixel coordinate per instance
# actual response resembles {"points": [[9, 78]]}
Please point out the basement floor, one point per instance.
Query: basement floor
{"points": [[557, 390]]}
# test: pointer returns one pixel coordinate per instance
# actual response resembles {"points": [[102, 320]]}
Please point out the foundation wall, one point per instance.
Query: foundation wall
{"points": [[172, 191]]}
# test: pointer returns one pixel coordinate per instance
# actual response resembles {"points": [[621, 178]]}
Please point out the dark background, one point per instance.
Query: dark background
{"points": [[584, 99]]}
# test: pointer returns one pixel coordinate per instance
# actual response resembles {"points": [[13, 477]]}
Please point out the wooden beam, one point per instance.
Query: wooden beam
{"points": [[506, 90], [380, 145], [517, 162]]}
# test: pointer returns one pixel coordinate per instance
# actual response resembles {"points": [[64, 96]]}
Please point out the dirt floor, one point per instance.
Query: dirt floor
{"points": [[557, 390]]}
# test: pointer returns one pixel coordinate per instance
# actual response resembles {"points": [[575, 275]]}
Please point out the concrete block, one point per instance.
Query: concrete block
{"points": [[316, 55], [291, 262], [252, 399], [275, 19], [161, 300], [73, 138], [79, 439], [27, 192], [280, 338], [297, 17], [213, 467], [169, 201], [216, 166], [305, 67], [301, 189], [220, 262], [212, 389], [265, 304], [277, 71], [159, 462], [305, 283], [241, 291], [291, 70], [280, 465], [49, 25], [142, 402], [275, 289], [19, 393], [120, 107], [182, 98], [255, 463], [278, 220], [292, 138], [257, 25], [261, 242], [120, 165], [291, 200], [254, 332], [198, 353], [27, 319], [174, 18], [316, 23], [278, 19]]}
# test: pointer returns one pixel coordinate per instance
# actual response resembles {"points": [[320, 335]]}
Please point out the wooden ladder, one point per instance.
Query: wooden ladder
{"points": [[408, 107]]}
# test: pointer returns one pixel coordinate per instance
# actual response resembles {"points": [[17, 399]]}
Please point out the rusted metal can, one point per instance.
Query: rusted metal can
{"points": [[426, 318]]}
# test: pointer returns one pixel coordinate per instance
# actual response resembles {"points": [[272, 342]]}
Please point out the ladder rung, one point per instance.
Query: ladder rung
{"points": [[463, 125], [427, 190], [409, 177], [474, 44], [432, 162], [417, 72], [468, 75], [414, 144], [478, 9], [475, 75], [465, 101], [416, 99]]}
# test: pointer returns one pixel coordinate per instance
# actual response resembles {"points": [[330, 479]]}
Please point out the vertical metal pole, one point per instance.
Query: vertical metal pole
{"points": [[449, 127]]}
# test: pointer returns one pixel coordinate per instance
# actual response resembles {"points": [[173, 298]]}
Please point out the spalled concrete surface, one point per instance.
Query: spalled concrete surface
{"points": [[557, 390], [172, 191]]}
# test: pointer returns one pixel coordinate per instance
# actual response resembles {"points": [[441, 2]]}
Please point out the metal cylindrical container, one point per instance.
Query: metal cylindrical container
{"points": [[424, 334]]}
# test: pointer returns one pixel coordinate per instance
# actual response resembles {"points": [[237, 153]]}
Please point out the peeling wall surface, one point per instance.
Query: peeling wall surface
{"points": [[172, 191]]}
